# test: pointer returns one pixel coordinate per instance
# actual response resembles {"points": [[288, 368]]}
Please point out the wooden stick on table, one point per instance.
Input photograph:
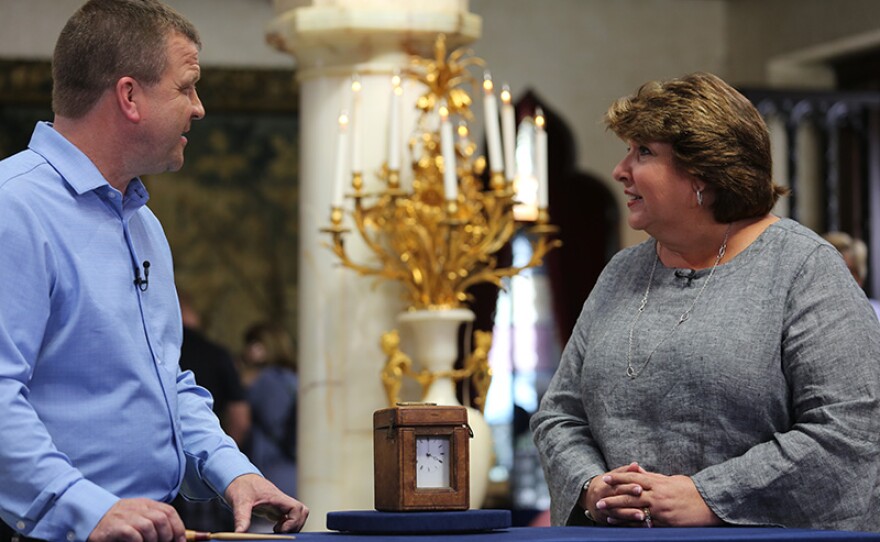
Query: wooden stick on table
{"points": [[196, 536]]}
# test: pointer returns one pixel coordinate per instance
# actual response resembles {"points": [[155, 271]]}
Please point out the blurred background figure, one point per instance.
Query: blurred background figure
{"points": [[255, 354], [270, 356], [214, 370], [855, 254]]}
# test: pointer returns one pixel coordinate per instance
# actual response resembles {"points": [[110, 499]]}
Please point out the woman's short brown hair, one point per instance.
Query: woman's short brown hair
{"points": [[716, 134], [106, 40]]}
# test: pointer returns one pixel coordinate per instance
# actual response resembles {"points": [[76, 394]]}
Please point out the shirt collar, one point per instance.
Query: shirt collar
{"points": [[78, 171]]}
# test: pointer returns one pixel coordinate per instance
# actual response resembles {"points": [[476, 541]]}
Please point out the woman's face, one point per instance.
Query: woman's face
{"points": [[255, 353], [659, 195]]}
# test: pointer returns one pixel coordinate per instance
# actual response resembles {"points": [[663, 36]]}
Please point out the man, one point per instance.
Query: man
{"points": [[100, 428]]}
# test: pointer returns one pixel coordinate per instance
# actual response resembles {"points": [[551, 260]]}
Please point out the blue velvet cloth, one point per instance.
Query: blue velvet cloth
{"points": [[374, 522]]}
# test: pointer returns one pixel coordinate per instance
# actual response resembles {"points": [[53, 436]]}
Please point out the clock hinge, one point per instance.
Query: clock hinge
{"points": [[390, 434]]}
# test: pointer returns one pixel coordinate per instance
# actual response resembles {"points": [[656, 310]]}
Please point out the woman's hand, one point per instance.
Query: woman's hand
{"points": [[599, 490], [667, 501]]}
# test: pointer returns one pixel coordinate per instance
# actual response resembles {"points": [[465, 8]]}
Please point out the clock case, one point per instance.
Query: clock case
{"points": [[395, 431]]}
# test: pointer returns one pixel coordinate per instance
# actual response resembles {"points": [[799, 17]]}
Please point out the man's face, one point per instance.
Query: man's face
{"points": [[171, 106]]}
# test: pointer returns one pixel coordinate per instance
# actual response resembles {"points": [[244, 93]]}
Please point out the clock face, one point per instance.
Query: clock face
{"points": [[432, 462]]}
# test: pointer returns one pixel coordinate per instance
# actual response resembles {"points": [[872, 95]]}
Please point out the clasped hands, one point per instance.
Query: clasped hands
{"points": [[628, 496]]}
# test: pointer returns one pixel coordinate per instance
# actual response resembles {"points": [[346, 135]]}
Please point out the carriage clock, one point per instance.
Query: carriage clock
{"points": [[421, 458]]}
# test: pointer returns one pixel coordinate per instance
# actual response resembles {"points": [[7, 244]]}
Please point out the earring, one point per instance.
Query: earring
{"points": [[700, 198]]}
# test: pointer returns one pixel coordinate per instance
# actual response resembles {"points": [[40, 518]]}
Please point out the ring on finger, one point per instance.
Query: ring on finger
{"points": [[649, 521]]}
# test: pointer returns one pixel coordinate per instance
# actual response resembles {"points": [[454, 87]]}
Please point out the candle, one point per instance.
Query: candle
{"points": [[541, 159], [394, 125], [356, 122], [416, 145], [493, 134], [463, 136], [447, 148], [341, 151], [508, 134]]}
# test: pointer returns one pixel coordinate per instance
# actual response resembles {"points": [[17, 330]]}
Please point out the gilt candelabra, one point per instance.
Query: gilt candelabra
{"points": [[440, 236]]}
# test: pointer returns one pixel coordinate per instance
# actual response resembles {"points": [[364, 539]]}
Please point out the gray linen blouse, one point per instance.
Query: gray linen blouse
{"points": [[767, 396]]}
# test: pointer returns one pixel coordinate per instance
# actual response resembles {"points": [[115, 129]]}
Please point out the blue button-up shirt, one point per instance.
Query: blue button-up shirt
{"points": [[93, 405]]}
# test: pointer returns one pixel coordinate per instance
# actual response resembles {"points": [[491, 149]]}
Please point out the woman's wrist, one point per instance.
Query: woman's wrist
{"points": [[584, 501]]}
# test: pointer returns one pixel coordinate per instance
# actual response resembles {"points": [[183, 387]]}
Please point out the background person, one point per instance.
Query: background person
{"points": [[273, 400], [213, 368], [855, 254], [254, 356], [100, 428], [723, 371]]}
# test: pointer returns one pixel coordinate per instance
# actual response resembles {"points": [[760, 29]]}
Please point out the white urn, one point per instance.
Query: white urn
{"points": [[433, 338]]}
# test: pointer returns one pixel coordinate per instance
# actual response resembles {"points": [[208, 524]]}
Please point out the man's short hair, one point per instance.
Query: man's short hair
{"points": [[106, 40]]}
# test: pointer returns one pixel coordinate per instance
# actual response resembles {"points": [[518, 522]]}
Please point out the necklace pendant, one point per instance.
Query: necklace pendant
{"points": [[631, 372]]}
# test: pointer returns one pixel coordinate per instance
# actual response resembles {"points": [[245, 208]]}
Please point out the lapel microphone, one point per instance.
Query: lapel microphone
{"points": [[689, 275], [142, 283]]}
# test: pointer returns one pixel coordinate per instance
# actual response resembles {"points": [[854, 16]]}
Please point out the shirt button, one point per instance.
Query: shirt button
{"points": [[71, 536], [20, 525]]}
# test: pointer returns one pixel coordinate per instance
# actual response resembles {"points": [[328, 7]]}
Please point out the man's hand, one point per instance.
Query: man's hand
{"points": [[252, 494], [139, 520]]}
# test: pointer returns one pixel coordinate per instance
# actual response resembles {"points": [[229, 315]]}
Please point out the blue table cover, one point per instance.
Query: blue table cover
{"points": [[606, 534]]}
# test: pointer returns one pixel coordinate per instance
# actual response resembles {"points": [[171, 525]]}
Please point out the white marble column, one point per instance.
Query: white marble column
{"points": [[342, 315]]}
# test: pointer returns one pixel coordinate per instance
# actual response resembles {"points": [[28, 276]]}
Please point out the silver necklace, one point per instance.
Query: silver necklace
{"points": [[631, 371]]}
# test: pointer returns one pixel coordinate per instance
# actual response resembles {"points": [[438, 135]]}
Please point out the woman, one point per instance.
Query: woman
{"points": [[726, 371], [273, 400]]}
